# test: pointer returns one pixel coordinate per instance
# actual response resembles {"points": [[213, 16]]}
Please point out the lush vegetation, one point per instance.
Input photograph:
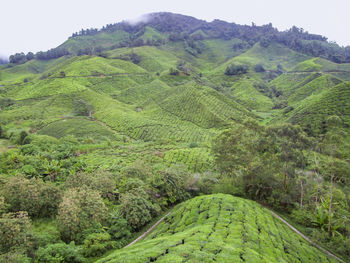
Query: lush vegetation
{"points": [[220, 228], [103, 134]]}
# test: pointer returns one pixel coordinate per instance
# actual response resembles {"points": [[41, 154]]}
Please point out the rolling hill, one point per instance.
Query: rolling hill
{"points": [[219, 228], [144, 103]]}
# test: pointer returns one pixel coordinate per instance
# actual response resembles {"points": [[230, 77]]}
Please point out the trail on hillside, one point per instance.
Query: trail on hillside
{"points": [[149, 230], [305, 237]]}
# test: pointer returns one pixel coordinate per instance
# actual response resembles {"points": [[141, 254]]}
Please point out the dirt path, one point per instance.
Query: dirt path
{"points": [[305, 237], [149, 230]]}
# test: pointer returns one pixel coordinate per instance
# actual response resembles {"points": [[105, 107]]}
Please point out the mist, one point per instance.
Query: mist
{"points": [[139, 19]]}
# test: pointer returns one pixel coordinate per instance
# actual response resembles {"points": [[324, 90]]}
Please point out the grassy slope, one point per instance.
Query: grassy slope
{"points": [[102, 39], [333, 101], [269, 57], [220, 228], [133, 101]]}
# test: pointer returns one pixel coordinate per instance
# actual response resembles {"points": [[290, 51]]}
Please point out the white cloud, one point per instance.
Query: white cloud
{"points": [[40, 24]]}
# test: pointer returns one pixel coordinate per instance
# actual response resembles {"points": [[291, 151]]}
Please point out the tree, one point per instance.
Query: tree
{"points": [[16, 256], [236, 69], [118, 228], [18, 58], [30, 56], [259, 68], [170, 184], [80, 209], [136, 208], [22, 136], [96, 244], [265, 41], [15, 232], [331, 141], [82, 108], [174, 72], [235, 149], [291, 141], [39, 199], [60, 253], [101, 181]]}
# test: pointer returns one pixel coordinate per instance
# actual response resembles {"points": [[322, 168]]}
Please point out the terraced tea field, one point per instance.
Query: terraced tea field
{"points": [[220, 228]]}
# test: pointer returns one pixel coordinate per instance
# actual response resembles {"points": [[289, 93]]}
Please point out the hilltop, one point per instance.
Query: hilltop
{"points": [[219, 228]]}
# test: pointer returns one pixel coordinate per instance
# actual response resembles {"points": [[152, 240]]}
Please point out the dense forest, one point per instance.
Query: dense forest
{"points": [[208, 126]]}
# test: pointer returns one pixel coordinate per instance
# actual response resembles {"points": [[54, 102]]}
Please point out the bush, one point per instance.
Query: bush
{"points": [[60, 253], [174, 72], [38, 198], [137, 209], [80, 209], [236, 69], [82, 108], [193, 145], [97, 244], [259, 68], [14, 257], [118, 229], [21, 140], [16, 232], [101, 181]]}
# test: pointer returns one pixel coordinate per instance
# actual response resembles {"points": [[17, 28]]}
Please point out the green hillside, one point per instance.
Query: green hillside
{"points": [[219, 228], [103, 134]]}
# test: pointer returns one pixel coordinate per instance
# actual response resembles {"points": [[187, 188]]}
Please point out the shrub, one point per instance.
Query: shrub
{"points": [[60, 253], [101, 181], [97, 244], [14, 257], [193, 145], [118, 229], [81, 108], [136, 208], [80, 209], [236, 69], [174, 72], [21, 140], [38, 198], [15, 229], [259, 68]]}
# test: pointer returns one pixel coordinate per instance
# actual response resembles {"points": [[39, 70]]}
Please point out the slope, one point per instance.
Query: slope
{"points": [[220, 228], [317, 108]]}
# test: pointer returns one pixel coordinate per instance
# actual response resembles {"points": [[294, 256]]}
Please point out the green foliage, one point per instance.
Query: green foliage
{"points": [[174, 72], [100, 181], [219, 228], [14, 257], [120, 165], [118, 229], [60, 253], [38, 198], [80, 209], [170, 185], [259, 68], [137, 208], [236, 69], [81, 108], [97, 244], [16, 232]]}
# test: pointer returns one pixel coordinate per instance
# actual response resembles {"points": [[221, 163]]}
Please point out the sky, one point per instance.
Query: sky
{"points": [[38, 25]]}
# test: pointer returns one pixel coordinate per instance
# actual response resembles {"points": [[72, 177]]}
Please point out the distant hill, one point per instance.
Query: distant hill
{"points": [[142, 106], [159, 28]]}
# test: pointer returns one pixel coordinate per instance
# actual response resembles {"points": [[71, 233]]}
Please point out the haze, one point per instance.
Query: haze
{"points": [[40, 25]]}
